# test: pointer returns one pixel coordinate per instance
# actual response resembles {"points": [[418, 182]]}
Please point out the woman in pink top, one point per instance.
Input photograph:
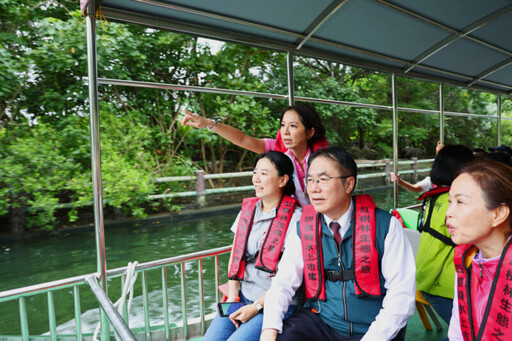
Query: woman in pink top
{"points": [[479, 221], [301, 133]]}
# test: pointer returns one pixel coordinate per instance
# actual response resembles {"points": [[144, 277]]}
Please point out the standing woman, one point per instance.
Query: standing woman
{"points": [[435, 271], [261, 230], [479, 221], [301, 133]]}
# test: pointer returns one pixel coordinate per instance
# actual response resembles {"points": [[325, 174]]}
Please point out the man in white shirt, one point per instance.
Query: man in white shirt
{"points": [[355, 260]]}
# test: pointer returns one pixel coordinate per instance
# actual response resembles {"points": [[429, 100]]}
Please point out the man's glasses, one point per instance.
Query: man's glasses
{"points": [[322, 181]]}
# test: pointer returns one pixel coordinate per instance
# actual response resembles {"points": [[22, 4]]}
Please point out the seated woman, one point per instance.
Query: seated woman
{"points": [[301, 133], [479, 221], [261, 230], [434, 262]]}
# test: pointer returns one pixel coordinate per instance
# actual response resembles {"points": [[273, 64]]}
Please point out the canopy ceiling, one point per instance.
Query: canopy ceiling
{"points": [[461, 42]]}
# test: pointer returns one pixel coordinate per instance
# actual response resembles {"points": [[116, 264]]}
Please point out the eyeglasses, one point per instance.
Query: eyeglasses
{"points": [[322, 181]]}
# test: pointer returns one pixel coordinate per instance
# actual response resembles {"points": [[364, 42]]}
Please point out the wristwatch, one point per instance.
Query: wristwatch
{"points": [[215, 121], [257, 305]]}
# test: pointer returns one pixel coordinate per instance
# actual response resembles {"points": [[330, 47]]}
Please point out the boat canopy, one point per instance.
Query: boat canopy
{"points": [[462, 43]]}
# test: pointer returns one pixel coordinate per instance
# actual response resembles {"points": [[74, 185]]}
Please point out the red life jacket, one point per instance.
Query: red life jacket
{"points": [[432, 192], [364, 251], [280, 147], [497, 319], [272, 245]]}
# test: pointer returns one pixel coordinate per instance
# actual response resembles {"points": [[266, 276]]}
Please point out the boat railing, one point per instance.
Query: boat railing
{"points": [[113, 315], [76, 282], [200, 191]]}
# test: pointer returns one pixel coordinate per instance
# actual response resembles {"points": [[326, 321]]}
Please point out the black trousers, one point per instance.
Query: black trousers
{"points": [[305, 325]]}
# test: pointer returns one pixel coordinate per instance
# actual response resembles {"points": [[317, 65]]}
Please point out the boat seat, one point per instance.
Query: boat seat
{"points": [[422, 305]]}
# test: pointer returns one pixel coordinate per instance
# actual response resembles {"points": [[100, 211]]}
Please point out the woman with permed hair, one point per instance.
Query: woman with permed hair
{"points": [[479, 222]]}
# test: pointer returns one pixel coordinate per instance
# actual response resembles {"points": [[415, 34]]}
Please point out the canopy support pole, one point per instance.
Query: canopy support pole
{"points": [[441, 113], [395, 138], [291, 78], [499, 120], [96, 156]]}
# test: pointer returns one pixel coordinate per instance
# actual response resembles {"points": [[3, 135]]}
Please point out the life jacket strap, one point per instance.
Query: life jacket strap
{"points": [[251, 258], [340, 275]]}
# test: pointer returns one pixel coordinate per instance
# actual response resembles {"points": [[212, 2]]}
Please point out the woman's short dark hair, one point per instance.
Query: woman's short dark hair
{"points": [[309, 118], [346, 163], [283, 165], [447, 162]]}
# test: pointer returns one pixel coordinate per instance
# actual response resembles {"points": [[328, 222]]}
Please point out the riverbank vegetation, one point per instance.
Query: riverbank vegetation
{"points": [[44, 123]]}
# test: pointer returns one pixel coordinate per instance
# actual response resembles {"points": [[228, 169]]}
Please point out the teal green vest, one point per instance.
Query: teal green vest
{"points": [[435, 270], [343, 311]]}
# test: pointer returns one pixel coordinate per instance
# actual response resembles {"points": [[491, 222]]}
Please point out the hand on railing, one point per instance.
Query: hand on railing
{"points": [[439, 146], [393, 177]]}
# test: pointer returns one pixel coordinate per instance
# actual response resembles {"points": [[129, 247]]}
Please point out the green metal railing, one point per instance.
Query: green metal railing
{"points": [[48, 288]]}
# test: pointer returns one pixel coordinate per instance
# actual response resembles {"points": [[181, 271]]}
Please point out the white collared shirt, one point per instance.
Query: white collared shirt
{"points": [[344, 221], [398, 269]]}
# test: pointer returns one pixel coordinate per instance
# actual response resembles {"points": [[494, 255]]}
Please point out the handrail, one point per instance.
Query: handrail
{"points": [[201, 177], [114, 317], [112, 273], [161, 264]]}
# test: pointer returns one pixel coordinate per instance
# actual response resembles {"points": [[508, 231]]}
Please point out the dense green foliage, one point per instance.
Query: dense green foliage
{"points": [[44, 124]]}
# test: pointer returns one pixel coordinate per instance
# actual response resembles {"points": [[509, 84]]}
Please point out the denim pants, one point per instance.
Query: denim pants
{"points": [[223, 329]]}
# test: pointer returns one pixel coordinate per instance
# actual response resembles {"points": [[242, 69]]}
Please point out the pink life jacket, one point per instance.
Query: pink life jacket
{"points": [[364, 250], [497, 317], [272, 245]]}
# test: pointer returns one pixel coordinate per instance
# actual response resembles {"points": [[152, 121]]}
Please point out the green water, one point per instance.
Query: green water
{"points": [[73, 253]]}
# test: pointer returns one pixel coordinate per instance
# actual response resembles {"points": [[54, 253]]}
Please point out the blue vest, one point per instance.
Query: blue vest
{"points": [[343, 311]]}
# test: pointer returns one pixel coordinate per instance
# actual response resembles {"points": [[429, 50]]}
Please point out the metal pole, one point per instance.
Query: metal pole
{"points": [[96, 157], [499, 120], [120, 326], [95, 144], [441, 114], [395, 138], [291, 81]]}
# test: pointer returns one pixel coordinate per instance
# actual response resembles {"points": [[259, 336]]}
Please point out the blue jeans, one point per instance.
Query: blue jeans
{"points": [[223, 329], [442, 305]]}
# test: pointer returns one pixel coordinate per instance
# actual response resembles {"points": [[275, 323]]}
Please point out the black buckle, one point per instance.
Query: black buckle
{"points": [[251, 258], [341, 275]]}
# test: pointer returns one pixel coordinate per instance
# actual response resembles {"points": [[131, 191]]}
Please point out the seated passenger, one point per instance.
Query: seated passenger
{"points": [[502, 149], [500, 157], [480, 223], [301, 133], [261, 234], [435, 271], [355, 260]]}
